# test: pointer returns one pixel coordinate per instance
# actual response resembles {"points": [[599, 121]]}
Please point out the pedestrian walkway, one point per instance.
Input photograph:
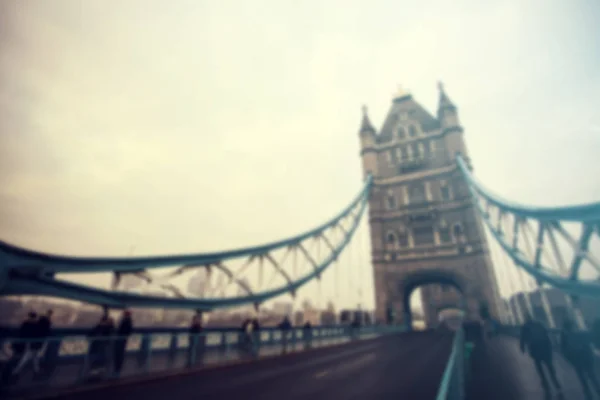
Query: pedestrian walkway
{"points": [[70, 372], [499, 371]]}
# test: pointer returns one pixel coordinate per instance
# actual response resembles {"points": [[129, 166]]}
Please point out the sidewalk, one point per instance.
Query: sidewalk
{"points": [[499, 371]]}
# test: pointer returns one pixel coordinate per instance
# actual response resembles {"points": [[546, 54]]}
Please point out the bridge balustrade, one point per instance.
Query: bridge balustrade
{"points": [[71, 358]]}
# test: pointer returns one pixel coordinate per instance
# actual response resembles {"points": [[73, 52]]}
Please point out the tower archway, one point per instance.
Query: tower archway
{"points": [[419, 279]]}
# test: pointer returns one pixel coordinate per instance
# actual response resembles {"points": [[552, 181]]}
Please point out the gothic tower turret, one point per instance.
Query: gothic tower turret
{"points": [[450, 125], [367, 145]]}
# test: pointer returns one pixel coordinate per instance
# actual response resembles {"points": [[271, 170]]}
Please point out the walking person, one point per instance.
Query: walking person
{"points": [[255, 349], [99, 339], [42, 332], [285, 327], [536, 342], [21, 350], [195, 341], [307, 335], [577, 349], [246, 338], [120, 345], [24, 349]]}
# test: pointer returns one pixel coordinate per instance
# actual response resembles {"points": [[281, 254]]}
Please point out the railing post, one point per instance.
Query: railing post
{"points": [[173, 343], [51, 355], [227, 347], [192, 350], [145, 351], [85, 366]]}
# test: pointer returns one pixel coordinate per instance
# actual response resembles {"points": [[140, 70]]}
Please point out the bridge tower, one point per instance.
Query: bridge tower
{"points": [[424, 229]]}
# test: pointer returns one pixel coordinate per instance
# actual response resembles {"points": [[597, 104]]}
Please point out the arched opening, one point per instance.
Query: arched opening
{"points": [[401, 133], [412, 131], [412, 287], [390, 238], [391, 202]]}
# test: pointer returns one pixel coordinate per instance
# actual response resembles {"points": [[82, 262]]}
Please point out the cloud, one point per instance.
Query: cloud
{"points": [[203, 126]]}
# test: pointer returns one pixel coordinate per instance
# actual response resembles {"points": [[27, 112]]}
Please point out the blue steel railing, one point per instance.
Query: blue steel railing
{"points": [[72, 360], [452, 386]]}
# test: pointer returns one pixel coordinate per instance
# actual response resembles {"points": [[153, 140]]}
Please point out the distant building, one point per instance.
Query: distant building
{"points": [[298, 319], [283, 308], [328, 318], [312, 316], [590, 307]]}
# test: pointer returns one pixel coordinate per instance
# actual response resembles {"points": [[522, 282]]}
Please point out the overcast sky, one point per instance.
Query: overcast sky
{"points": [[185, 126]]}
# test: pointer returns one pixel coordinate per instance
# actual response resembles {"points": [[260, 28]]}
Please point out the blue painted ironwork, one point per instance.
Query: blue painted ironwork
{"points": [[34, 273], [510, 224]]}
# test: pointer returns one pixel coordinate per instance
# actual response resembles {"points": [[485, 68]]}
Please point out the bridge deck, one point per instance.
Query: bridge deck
{"points": [[399, 366], [499, 371]]}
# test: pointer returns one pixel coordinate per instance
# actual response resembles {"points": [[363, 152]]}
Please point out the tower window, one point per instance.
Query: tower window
{"points": [[416, 150], [391, 202], [444, 235], [445, 190], [412, 131], [417, 194], [457, 230], [421, 150], [401, 133], [459, 234], [404, 153], [403, 239], [390, 238]]}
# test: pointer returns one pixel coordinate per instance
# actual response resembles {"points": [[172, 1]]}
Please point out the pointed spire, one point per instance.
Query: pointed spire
{"points": [[444, 99], [366, 125], [444, 103], [401, 94]]}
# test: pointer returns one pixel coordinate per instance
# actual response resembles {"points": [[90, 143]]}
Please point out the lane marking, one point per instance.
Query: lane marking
{"points": [[350, 365], [321, 374]]}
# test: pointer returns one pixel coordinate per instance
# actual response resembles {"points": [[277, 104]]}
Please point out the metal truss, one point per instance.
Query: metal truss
{"points": [[289, 263], [557, 246]]}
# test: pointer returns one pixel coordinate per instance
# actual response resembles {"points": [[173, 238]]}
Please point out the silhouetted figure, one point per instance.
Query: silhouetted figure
{"points": [[285, 326], [23, 348], [42, 332], [255, 337], [246, 337], [195, 340], [99, 339], [576, 348], [354, 329], [124, 330], [536, 342], [307, 334]]}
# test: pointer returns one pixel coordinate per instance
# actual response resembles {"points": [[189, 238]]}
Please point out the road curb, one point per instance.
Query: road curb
{"points": [[163, 376]]}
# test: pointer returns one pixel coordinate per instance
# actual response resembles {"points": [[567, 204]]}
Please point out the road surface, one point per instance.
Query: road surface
{"points": [[405, 366]]}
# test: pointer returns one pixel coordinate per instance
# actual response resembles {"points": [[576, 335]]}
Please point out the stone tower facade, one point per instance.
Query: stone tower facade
{"points": [[424, 229]]}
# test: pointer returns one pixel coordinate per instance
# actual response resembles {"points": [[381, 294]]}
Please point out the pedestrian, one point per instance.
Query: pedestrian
{"points": [[124, 330], [536, 342], [576, 347]]}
